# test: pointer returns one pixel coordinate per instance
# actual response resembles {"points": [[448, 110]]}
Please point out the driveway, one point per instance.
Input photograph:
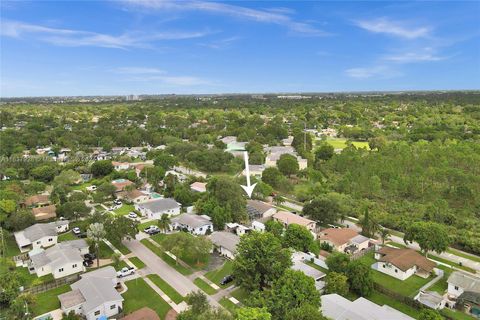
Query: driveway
{"points": [[156, 265]]}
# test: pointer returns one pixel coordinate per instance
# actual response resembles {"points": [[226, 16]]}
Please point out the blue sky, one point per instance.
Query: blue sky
{"points": [[163, 46]]}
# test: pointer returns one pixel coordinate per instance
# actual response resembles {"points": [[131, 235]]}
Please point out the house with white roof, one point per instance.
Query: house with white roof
{"points": [[94, 295], [40, 235], [198, 187], [225, 243], [195, 224], [460, 282], [60, 260], [336, 307], [298, 259], [155, 208], [120, 165]]}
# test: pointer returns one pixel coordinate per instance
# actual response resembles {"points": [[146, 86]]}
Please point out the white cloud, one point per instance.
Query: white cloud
{"points": [[79, 38], [275, 16], [220, 44], [380, 71], [394, 28], [138, 70], [146, 74], [410, 57]]}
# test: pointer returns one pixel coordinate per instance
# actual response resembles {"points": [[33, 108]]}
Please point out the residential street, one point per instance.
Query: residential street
{"points": [[156, 265]]}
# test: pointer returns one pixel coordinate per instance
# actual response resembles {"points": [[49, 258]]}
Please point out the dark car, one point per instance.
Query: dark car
{"points": [[226, 280], [82, 235], [88, 263], [90, 256]]}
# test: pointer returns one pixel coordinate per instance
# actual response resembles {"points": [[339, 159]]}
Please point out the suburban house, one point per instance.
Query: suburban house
{"points": [[195, 224], [298, 259], [431, 299], [460, 282], [120, 165], [225, 243], [94, 296], [255, 170], [469, 302], [61, 260], [180, 176], [402, 263], [288, 218], [37, 200], [344, 239], [40, 235], [44, 213], [336, 307], [199, 187], [155, 208], [121, 184], [259, 209], [274, 153], [134, 196]]}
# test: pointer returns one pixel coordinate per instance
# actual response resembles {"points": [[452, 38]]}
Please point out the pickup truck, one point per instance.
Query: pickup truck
{"points": [[126, 271]]}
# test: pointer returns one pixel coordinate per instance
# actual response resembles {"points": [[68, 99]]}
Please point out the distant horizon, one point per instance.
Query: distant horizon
{"points": [[68, 48]]}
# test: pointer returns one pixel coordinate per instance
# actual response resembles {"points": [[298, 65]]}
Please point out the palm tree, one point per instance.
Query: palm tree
{"points": [[279, 200], [368, 224], [164, 222], [96, 233], [385, 234]]}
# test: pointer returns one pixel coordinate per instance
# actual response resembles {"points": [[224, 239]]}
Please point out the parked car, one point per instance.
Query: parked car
{"points": [[132, 215], [152, 230], [226, 279], [82, 235], [88, 263], [76, 231], [126, 271], [90, 256], [118, 202], [92, 188]]}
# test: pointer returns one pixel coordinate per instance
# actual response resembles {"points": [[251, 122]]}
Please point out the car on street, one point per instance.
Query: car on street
{"points": [[125, 271], [132, 215], [76, 231], [226, 279]]}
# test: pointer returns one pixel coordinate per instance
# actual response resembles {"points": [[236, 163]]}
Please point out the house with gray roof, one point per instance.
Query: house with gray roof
{"points": [[336, 307], [460, 282], [60, 260], [225, 243], [94, 295], [195, 224], [259, 209], [40, 235], [155, 208]]}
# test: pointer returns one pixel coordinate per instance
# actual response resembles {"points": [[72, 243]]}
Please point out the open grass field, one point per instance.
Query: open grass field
{"points": [[341, 143], [48, 301], [139, 295], [204, 286], [124, 210], [166, 288], [217, 275]]}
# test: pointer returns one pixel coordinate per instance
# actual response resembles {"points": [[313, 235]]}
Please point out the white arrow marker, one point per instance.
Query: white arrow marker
{"points": [[248, 188]]}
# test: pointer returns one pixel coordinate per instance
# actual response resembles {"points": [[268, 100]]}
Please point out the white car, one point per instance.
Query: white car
{"points": [[92, 188], [76, 230], [132, 215], [152, 229], [126, 271]]}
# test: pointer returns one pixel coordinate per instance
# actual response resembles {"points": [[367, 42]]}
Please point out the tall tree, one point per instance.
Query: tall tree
{"points": [[96, 233], [369, 224], [336, 283], [430, 236], [164, 222], [299, 238], [360, 278], [288, 164]]}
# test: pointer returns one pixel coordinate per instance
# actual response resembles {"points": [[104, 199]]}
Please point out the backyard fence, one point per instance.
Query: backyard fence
{"points": [[359, 254], [52, 284]]}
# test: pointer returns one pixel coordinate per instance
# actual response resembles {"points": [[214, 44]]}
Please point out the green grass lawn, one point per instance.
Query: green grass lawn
{"points": [[240, 294], [11, 248], [204, 286], [104, 251], [139, 295], [81, 186], [381, 299], [137, 262], [159, 252], [119, 265], [341, 143], [456, 315], [166, 288], [229, 305], [450, 263], [217, 275], [313, 265], [463, 255], [441, 285], [124, 209], [144, 225], [408, 287], [48, 301], [67, 236]]}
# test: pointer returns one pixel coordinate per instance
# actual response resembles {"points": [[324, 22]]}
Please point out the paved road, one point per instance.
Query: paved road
{"points": [[445, 255], [156, 265]]}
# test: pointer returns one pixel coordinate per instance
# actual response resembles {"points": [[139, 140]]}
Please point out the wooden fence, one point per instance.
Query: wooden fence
{"points": [[53, 284]]}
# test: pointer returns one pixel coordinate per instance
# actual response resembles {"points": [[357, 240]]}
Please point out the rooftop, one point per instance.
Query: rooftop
{"points": [[339, 236], [36, 199], [44, 213], [191, 220], [465, 281], [160, 205], [225, 239], [289, 218], [405, 259]]}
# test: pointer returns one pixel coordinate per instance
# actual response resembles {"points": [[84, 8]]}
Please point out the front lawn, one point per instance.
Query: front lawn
{"points": [[124, 210], [121, 247], [67, 236], [229, 305], [48, 300], [166, 288], [204, 286], [137, 262], [139, 295], [165, 257], [217, 275], [104, 251], [240, 294]]}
